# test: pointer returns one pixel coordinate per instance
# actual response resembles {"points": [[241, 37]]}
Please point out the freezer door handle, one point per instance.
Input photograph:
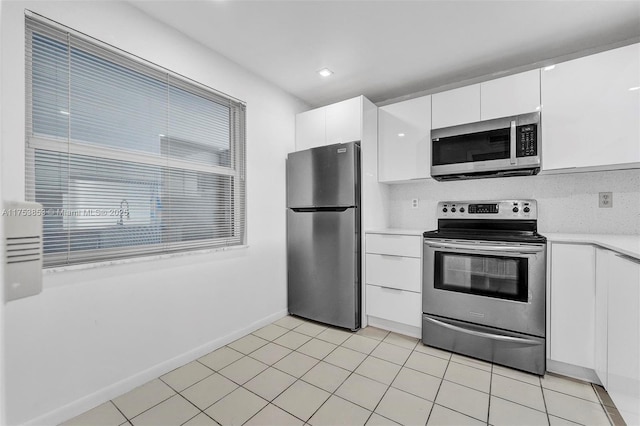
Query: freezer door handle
{"points": [[491, 336], [320, 209]]}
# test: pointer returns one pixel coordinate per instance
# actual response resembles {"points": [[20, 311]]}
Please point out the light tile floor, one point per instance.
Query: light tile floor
{"points": [[296, 372]]}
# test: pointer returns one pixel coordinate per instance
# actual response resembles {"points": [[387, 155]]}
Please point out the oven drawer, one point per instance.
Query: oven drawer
{"points": [[493, 345], [399, 272], [396, 305], [396, 245]]}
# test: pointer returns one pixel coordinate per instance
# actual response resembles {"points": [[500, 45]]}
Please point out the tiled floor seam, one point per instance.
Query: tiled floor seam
{"points": [[155, 405], [435, 397], [394, 378], [544, 401], [490, 384], [347, 378], [311, 384], [352, 371]]}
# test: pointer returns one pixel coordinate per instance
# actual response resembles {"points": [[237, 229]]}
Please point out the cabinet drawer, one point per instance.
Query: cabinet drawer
{"points": [[396, 305], [393, 271], [397, 245]]}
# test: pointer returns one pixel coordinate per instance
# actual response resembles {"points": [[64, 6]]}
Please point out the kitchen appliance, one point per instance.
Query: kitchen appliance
{"points": [[323, 234], [484, 275], [508, 146]]}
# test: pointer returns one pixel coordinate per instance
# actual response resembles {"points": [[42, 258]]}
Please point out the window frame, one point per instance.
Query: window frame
{"points": [[37, 24]]}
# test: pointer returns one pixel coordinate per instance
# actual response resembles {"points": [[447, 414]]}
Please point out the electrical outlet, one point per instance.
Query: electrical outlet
{"points": [[605, 199], [414, 203]]}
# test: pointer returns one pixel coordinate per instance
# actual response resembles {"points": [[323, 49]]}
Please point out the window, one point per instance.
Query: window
{"points": [[126, 158]]}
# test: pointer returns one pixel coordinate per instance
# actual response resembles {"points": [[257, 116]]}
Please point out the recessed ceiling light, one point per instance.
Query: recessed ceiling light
{"points": [[161, 135], [549, 68], [64, 112], [634, 88], [325, 72], [401, 135]]}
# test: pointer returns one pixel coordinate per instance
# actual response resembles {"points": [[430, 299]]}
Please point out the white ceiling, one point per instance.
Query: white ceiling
{"points": [[387, 49]]}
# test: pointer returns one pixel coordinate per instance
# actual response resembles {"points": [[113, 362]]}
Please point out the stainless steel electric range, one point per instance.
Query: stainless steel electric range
{"points": [[484, 286]]}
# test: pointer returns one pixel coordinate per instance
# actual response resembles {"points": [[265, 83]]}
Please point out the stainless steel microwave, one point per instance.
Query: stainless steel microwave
{"points": [[508, 146]]}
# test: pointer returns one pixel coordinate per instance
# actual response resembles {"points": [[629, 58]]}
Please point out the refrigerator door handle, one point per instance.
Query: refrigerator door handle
{"points": [[321, 209]]}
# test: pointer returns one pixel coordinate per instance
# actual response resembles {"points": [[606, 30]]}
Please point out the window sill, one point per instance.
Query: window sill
{"points": [[141, 259]]}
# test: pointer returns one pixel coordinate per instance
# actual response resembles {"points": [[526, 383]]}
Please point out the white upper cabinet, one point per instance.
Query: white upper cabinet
{"points": [[591, 110], [404, 140], [310, 129], [512, 95], [336, 123], [458, 106], [344, 121]]}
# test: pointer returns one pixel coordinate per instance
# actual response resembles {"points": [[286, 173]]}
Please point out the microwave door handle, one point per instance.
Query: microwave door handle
{"points": [[486, 247], [491, 336], [513, 142]]}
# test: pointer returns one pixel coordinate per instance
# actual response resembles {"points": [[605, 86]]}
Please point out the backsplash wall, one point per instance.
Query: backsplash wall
{"points": [[567, 203]]}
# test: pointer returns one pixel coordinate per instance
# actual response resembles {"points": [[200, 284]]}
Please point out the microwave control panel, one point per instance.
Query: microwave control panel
{"points": [[526, 140]]}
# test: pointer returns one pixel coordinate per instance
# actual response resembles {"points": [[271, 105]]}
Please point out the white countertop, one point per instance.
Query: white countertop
{"points": [[395, 231], [624, 244]]}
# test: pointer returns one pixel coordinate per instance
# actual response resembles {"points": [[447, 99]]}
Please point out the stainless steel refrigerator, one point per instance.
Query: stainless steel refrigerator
{"points": [[323, 234]]}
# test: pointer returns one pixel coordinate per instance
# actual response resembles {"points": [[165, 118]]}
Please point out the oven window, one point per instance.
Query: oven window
{"points": [[492, 276], [481, 146]]}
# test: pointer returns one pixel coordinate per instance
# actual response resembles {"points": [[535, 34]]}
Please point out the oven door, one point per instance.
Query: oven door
{"points": [[494, 284]]}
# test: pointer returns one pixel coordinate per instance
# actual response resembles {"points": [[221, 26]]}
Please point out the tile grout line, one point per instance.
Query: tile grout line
{"points": [[450, 359], [490, 385], [544, 400], [352, 372], [300, 378], [439, 386]]}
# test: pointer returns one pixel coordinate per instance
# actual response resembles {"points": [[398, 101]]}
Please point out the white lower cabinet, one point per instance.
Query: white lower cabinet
{"points": [[595, 319], [572, 304], [603, 266], [623, 337], [393, 265], [398, 272], [391, 304]]}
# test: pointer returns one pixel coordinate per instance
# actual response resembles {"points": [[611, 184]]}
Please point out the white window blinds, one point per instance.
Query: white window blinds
{"points": [[127, 159]]}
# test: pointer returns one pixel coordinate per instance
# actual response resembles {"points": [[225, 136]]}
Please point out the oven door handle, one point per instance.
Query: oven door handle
{"points": [[488, 247], [492, 336]]}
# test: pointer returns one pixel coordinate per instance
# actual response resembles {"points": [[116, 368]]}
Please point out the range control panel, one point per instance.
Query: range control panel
{"points": [[503, 209], [527, 140]]}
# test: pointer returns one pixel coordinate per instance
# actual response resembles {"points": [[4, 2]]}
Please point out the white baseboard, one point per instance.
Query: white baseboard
{"points": [[105, 394], [396, 327], [574, 371]]}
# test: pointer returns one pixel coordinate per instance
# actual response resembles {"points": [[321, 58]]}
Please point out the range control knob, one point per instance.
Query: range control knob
{"points": [[527, 209], [461, 209], [516, 210], [444, 210], [453, 209]]}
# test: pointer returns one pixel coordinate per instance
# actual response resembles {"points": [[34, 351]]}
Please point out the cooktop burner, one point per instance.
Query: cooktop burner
{"points": [[505, 220]]}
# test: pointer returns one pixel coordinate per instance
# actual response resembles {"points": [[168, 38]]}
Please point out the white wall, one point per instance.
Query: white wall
{"points": [[566, 202], [2, 318], [94, 334]]}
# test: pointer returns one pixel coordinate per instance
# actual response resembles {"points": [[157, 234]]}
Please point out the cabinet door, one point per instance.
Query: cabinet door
{"points": [[572, 304], [512, 95], [344, 121], [403, 273], [591, 110], [310, 129], [404, 140], [453, 107], [624, 338], [396, 305], [603, 271]]}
